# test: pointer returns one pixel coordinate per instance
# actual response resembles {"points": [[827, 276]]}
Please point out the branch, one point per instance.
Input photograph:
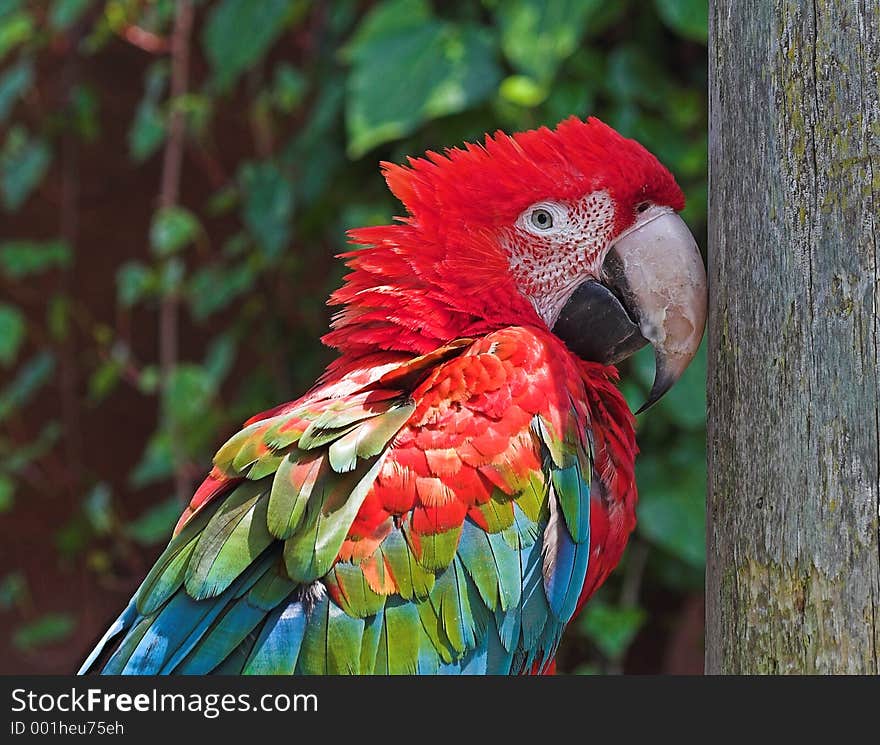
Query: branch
{"points": [[169, 195]]}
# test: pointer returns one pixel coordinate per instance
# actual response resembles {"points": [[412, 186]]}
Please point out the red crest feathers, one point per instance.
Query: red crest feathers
{"points": [[492, 183]]}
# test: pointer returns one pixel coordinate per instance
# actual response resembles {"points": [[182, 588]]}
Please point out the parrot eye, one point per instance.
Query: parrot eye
{"points": [[643, 206], [544, 219], [541, 219]]}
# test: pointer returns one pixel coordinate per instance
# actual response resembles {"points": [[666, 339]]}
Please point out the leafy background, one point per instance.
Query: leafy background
{"points": [[146, 310]]}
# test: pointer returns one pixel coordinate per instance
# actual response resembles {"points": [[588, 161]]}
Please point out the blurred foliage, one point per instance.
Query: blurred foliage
{"points": [[290, 107]]}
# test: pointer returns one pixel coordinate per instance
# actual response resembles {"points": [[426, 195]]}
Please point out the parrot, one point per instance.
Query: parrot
{"points": [[460, 480]]}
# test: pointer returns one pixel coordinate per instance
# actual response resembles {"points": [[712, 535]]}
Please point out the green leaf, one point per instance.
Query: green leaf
{"points": [[196, 109], [148, 129], [215, 287], [134, 281], [155, 525], [685, 403], [23, 163], [15, 28], [239, 32], [20, 259], [27, 453], [388, 18], [611, 628], [47, 629], [12, 330], [188, 393], [64, 13], [72, 538], [672, 507], [268, 205], [689, 18], [408, 68], [7, 495], [288, 88], [98, 508], [104, 379], [149, 379], [156, 463], [633, 75], [13, 590], [58, 313], [522, 90], [84, 104], [537, 35], [13, 83], [34, 374], [219, 358], [172, 229]]}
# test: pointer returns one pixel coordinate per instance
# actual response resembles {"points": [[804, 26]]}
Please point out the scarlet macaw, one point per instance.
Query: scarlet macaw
{"points": [[460, 480]]}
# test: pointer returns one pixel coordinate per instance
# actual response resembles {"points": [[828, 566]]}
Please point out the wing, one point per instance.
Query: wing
{"points": [[433, 519]]}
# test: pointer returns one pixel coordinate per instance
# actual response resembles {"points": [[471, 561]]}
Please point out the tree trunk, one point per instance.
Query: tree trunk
{"points": [[793, 578]]}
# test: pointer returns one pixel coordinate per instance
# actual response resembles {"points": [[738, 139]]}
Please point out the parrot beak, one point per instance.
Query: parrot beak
{"points": [[653, 290]]}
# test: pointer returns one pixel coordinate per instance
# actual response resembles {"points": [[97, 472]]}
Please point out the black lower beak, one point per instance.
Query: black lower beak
{"points": [[595, 325]]}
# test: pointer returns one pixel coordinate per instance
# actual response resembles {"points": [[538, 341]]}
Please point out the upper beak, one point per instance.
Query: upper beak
{"points": [[653, 290]]}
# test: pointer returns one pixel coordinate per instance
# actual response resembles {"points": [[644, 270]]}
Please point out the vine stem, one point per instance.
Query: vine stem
{"points": [[169, 194]]}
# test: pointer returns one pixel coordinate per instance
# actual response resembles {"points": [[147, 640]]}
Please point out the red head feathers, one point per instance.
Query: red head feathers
{"points": [[443, 272]]}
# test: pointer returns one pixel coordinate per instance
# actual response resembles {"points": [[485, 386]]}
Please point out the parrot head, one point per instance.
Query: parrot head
{"points": [[575, 228]]}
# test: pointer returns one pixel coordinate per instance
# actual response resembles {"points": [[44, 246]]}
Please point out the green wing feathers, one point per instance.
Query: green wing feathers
{"points": [[286, 561]]}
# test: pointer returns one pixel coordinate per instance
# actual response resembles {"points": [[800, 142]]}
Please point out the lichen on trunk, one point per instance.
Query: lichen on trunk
{"points": [[793, 576]]}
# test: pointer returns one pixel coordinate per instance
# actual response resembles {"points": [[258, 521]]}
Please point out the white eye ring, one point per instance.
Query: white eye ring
{"points": [[543, 218]]}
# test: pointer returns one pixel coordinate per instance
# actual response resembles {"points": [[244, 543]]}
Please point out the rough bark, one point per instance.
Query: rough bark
{"points": [[793, 579]]}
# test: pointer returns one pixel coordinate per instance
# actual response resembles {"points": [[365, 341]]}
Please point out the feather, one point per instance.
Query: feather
{"points": [[120, 657], [229, 633], [310, 552], [123, 623], [475, 662], [264, 466], [534, 608], [497, 512], [168, 573], [182, 644], [434, 551], [432, 625], [273, 587], [412, 580], [564, 566], [476, 555], [533, 499], [368, 439], [370, 642], [493, 565], [292, 488], [234, 663], [350, 589], [399, 640], [572, 489], [248, 437], [344, 640], [277, 648], [524, 531], [178, 620], [233, 538], [225, 635], [498, 659]]}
